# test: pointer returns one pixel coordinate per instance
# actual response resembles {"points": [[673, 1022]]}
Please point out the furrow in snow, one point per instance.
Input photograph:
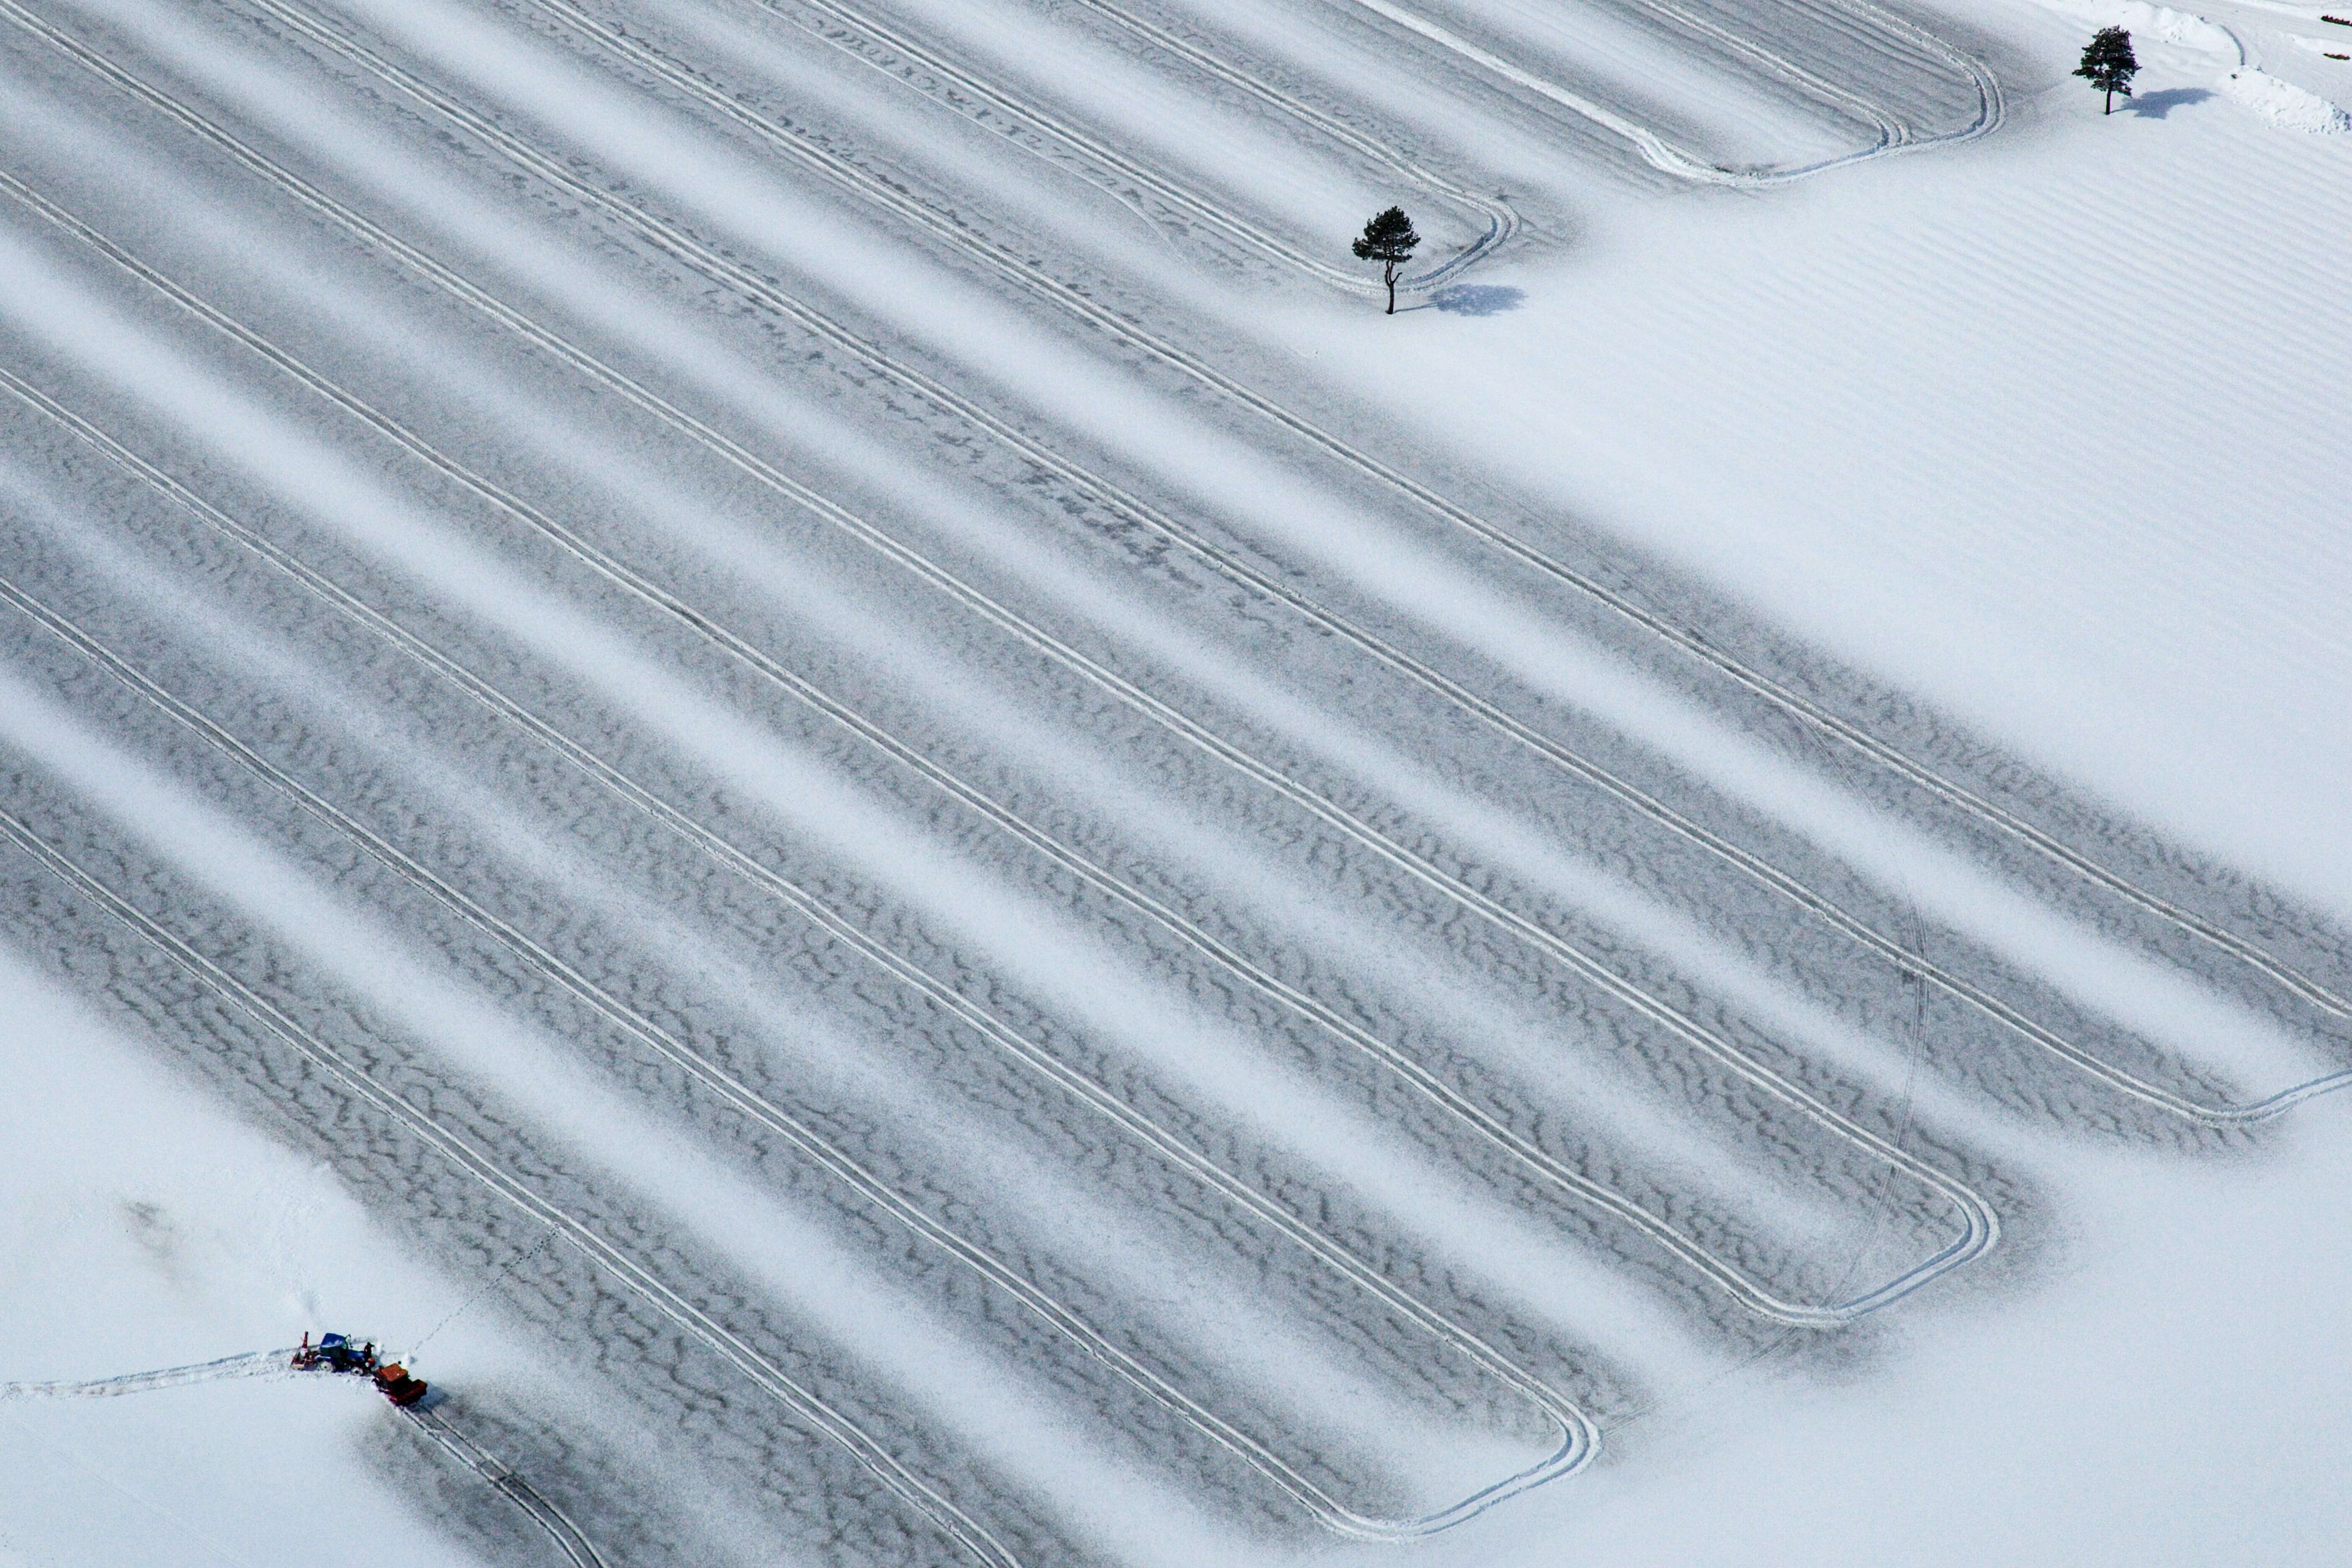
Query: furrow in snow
{"points": [[1978, 1227], [751, 287], [642, 1282], [1846, 733], [1577, 1434]]}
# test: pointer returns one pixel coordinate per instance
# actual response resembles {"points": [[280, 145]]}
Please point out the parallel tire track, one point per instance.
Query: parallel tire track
{"points": [[754, 289], [1579, 1434], [1023, 274], [454, 1147], [1532, 1157], [1160, 186], [1662, 154], [502, 1477], [1979, 1227], [734, 275]]}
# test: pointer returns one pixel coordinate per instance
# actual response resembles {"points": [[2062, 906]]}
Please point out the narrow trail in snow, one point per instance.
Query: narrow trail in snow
{"points": [[749, 284], [251, 1364], [1579, 1434], [744, 864], [455, 1148], [1977, 1229]]}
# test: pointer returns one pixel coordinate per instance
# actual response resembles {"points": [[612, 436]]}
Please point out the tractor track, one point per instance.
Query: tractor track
{"points": [[742, 863], [1160, 186], [1666, 157], [1032, 279], [1579, 1435], [751, 286], [1979, 1227], [1502, 219], [455, 1148], [505, 1480]]}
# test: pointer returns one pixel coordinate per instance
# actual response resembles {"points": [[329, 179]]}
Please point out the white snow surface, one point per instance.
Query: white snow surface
{"points": [[2020, 449], [2182, 30]]}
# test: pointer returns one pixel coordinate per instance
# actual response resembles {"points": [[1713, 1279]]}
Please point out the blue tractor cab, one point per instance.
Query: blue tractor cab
{"points": [[335, 1353]]}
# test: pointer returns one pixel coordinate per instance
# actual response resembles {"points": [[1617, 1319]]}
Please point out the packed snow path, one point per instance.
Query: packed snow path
{"points": [[1362, 1077]]}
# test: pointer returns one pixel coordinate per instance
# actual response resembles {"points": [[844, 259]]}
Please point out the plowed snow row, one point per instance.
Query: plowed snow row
{"points": [[1157, 1041]]}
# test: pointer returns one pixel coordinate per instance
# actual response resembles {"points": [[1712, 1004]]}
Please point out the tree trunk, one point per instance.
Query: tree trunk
{"points": [[2110, 109], [1389, 277]]}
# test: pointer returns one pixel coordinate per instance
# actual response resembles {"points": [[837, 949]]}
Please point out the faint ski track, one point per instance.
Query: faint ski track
{"points": [[1979, 1227], [503, 1477], [951, 1521], [1578, 1436], [751, 285], [1010, 266], [253, 1363]]}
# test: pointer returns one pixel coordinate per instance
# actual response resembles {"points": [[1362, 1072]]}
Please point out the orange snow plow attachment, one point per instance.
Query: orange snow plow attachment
{"points": [[394, 1384], [337, 1352]]}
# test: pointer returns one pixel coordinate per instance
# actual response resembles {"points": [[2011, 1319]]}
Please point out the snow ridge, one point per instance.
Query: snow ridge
{"points": [[2284, 104]]}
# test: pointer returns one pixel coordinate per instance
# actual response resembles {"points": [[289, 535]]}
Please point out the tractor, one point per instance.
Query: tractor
{"points": [[337, 1352]]}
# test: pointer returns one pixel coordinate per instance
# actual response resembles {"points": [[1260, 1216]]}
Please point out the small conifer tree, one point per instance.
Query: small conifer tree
{"points": [[2108, 64], [1387, 239]]}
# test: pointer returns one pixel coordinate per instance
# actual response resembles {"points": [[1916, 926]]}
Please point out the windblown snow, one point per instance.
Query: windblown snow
{"points": [[785, 734]]}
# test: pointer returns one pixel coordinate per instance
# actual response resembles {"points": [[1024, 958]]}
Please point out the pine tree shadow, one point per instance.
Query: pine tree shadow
{"points": [[2157, 105], [1477, 298]]}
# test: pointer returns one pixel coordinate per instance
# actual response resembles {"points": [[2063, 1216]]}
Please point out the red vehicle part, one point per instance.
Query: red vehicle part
{"points": [[394, 1384]]}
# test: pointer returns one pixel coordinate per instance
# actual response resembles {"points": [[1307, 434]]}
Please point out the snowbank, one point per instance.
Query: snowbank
{"points": [[2284, 104], [2162, 23]]}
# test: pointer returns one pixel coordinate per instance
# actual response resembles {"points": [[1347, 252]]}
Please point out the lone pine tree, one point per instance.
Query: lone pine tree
{"points": [[2108, 65], [1387, 239]]}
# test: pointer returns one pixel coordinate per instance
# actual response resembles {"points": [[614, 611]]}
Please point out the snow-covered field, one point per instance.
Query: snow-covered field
{"points": [[783, 730]]}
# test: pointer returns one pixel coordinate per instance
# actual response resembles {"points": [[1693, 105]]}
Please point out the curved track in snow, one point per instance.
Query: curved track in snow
{"points": [[459, 1151], [1668, 157], [1777, 1112], [755, 290], [1978, 1227], [1579, 1435], [1016, 270]]}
